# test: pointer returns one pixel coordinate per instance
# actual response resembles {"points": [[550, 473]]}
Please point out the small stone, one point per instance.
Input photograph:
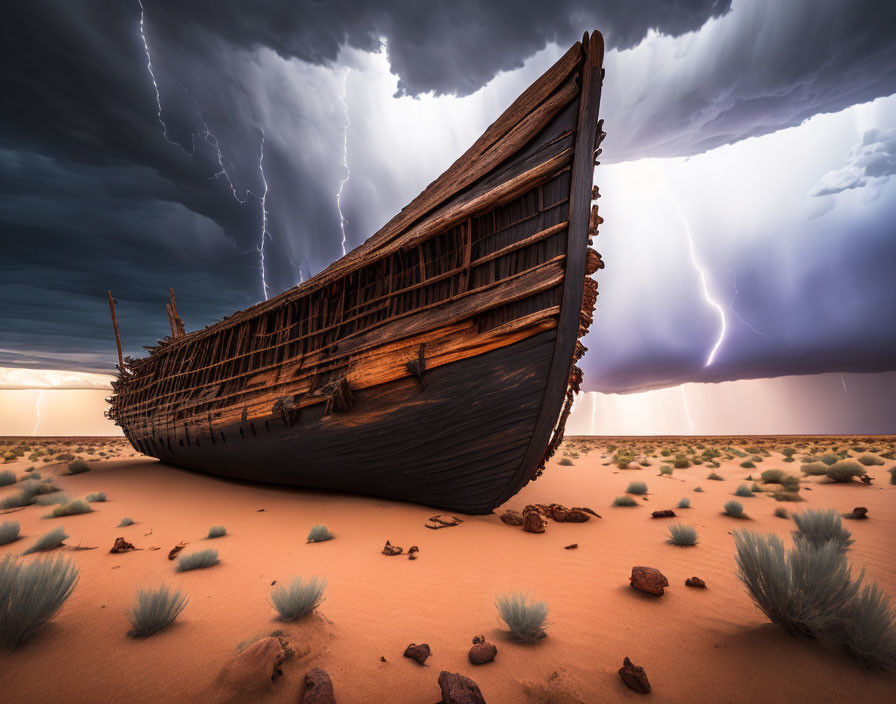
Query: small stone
{"points": [[512, 518], [382, 658], [122, 545], [390, 549], [648, 579], [482, 651], [859, 512], [571, 547], [634, 677], [695, 582], [411, 551], [457, 689], [665, 513], [176, 549], [318, 688], [418, 652]]}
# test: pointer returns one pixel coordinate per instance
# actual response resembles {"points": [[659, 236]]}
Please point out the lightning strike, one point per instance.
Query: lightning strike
{"points": [[593, 409], [348, 173], [223, 173], [702, 276], [37, 411], [843, 381], [264, 217], [733, 309]]}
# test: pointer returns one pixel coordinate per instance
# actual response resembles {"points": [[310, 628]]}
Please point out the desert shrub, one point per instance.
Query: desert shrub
{"points": [[7, 476], [754, 487], [622, 460], [698, 489], [748, 478], [684, 503], [77, 467], [9, 532], [788, 453], [869, 460], [52, 499], [665, 452], [125, 522], [681, 462], [748, 465], [735, 509], [752, 450], [828, 458], [715, 477], [71, 509], [781, 512], [817, 527], [809, 590], [743, 490], [48, 541], [892, 471], [565, 462], [154, 610], [319, 534], [773, 476], [624, 501], [666, 471], [814, 469], [197, 560], [682, 535], [525, 619], [65, 457], [786, 496], [30, 595], [636, 488], [299, 598], [844, 471], [98, 497], [217, 532]]}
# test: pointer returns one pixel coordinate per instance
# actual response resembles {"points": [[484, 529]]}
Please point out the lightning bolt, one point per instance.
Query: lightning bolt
{"points": [[348, 173], [37, 411], [701, 275], [593, 410], [209, 138], [264, 217], [843, 381], [731, 305]]}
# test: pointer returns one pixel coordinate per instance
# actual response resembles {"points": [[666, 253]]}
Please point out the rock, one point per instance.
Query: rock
{"points": [[571, 547], [666, 513], [318, 688], [533, 521], [695, 582], [457, 689], [418, 652], [122, 545], [585, 509], [391, 549], [577, 515], [411, 551], [176, 549], [558, 513], [482, 651], [512, 518], [634, 677], [859, 512], [648, 579]]}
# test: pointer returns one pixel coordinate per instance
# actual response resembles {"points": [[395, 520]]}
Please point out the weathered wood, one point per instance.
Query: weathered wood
{"points": [[457, 317], [115, 327]]}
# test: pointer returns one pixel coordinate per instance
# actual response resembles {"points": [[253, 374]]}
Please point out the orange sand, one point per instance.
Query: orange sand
{"points": [[696, 645]]}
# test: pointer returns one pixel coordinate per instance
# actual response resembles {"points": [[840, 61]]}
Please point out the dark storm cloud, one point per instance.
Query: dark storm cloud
{"points": [[93, 197]]}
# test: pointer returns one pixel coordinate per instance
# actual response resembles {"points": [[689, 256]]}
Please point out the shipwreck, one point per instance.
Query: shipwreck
{"points": [[435, 363]]}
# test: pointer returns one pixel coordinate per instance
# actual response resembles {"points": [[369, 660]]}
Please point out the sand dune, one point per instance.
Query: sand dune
{"points": [[708, 645]]}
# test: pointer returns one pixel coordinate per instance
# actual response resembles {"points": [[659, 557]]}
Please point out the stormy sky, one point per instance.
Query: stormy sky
{"points": [[746, 179]]}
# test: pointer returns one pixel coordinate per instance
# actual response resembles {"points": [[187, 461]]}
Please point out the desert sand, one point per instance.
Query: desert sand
{"points": [[708, 645]]}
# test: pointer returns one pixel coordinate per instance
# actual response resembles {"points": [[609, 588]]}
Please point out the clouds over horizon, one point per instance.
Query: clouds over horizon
{"points": [[92, 196]]}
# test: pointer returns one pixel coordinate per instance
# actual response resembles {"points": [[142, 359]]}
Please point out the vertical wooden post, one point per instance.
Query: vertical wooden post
{"points": [[115, 326]]}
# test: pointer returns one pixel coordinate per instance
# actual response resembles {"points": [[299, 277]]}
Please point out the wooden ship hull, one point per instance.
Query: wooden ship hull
{"points": [[435, 363]]}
